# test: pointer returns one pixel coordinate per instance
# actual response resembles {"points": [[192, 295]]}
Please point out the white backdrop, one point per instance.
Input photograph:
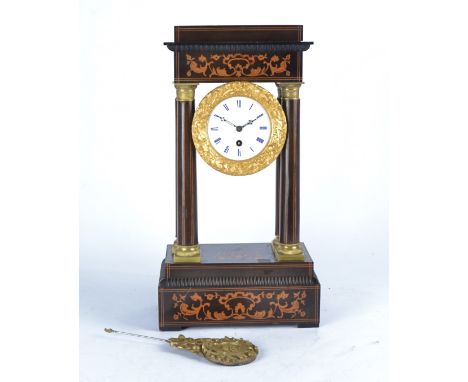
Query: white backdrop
{"points": [[127, 207]]}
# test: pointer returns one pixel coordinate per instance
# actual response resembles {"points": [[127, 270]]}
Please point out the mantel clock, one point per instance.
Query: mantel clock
{"points": [[239, 128]]}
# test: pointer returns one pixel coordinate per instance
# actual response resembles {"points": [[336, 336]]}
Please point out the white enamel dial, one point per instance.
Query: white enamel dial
{"points": [[239, 128]]}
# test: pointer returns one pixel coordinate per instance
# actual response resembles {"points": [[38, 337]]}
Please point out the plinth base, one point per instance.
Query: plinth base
{"points": [[238, 284]]}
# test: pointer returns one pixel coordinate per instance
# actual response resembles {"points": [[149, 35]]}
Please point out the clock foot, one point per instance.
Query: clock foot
{"points": [[172, 328], [308, 325]]}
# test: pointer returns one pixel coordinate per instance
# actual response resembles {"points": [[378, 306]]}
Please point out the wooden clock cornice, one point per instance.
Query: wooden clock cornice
{"points": [[240, 47], [235, 53]]}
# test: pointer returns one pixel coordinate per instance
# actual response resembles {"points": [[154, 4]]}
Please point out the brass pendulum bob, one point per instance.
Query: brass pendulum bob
{"points": [[226, 351]]}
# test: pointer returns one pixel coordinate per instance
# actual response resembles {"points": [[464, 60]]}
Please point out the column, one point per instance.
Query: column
{"points": [[185, 248], [286, 244]]}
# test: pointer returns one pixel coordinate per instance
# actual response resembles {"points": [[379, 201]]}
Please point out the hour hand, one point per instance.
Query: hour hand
{"points": [[251, 121], [248, 123]]}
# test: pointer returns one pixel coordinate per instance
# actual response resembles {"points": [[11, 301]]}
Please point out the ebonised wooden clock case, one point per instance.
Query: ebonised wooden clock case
{"points": [[238, 284]]}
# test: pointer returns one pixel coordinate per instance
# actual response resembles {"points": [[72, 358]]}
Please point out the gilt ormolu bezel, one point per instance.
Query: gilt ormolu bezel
{"points": [[248, 166]]}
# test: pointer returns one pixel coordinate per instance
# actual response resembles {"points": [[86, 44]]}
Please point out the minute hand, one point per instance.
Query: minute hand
{"points": [[225, 120]]}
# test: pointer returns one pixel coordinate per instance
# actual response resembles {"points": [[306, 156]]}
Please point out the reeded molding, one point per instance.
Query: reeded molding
{"points": [[240, 47]]}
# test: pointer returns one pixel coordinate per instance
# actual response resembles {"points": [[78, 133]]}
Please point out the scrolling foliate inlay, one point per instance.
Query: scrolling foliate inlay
{"points": [[239, 305], [238, 65]]}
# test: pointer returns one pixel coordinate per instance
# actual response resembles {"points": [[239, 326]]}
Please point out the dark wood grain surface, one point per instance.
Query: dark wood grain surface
{"points": [[241, 260], [235, 253], [237, 33], [290, 175], [186, 176]]}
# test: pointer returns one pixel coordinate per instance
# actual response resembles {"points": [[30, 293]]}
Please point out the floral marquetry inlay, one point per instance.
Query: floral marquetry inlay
{"points": [[238, 65], [239, 305]]}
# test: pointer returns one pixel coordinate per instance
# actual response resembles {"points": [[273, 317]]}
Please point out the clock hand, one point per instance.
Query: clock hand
{"points": [[239, 128], [248, 123], [225, 120], [251, 121]]}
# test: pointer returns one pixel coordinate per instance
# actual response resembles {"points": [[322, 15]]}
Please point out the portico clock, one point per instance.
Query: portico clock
{"points": [[239, 128]]}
